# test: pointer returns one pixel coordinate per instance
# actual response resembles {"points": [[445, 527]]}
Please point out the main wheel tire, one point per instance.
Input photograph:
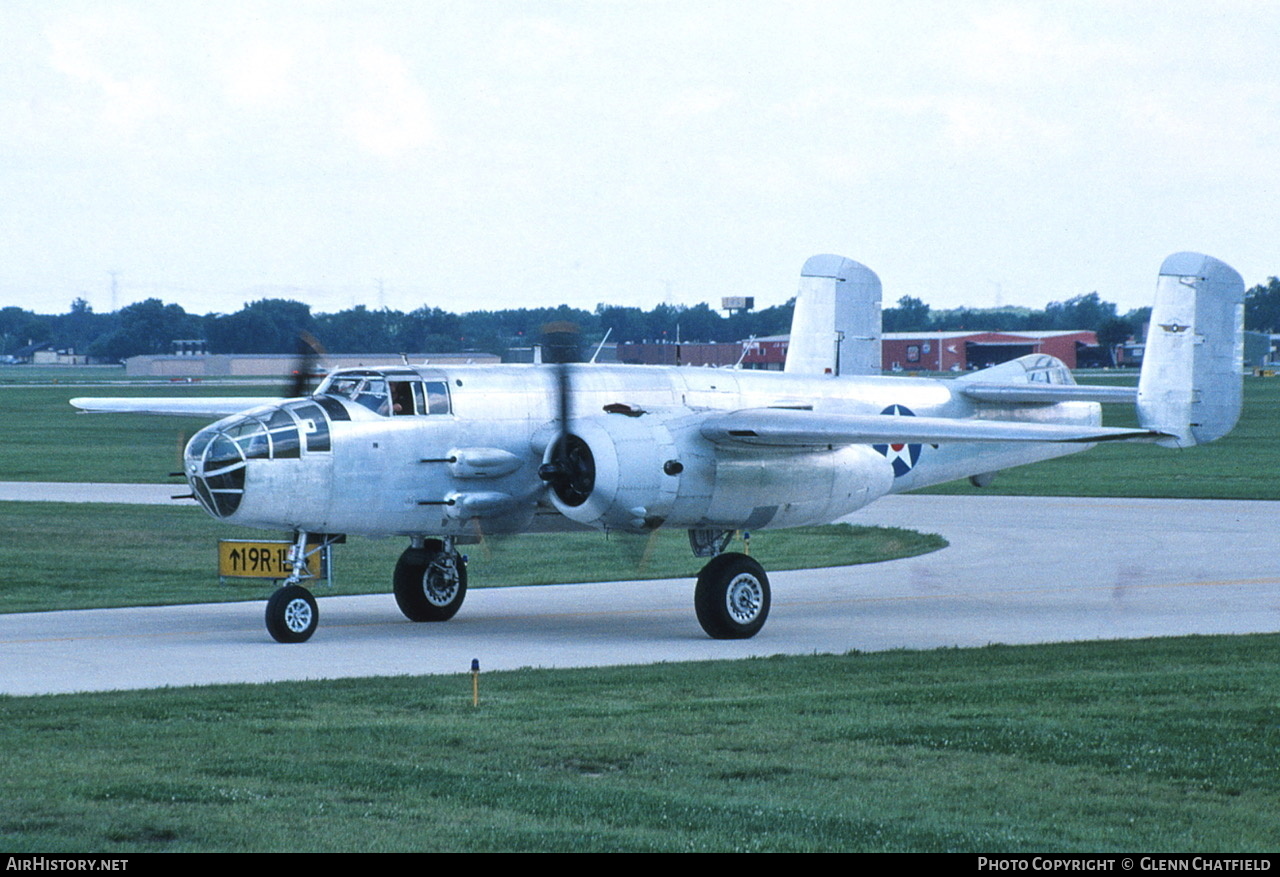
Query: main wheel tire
{"points": [[292, 614], [425, 591], [732, 597]]}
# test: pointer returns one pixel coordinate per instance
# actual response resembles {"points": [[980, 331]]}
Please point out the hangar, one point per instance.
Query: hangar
{"points": [[961, 351]]}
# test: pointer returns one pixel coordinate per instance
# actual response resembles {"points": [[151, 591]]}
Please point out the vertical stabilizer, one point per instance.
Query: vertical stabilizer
{"points": [[1190, 385], [836, 325]]}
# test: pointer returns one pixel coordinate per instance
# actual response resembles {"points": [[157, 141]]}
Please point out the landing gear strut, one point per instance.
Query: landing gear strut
{"points": [[732, 597], [292, 614], [431, 581]]}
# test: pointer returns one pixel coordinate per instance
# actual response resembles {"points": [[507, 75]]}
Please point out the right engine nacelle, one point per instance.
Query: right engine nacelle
{"points": [[638, 472]]}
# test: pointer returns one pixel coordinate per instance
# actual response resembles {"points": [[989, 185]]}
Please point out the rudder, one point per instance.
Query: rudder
{"points": [[1191, 381], [835, 328]]}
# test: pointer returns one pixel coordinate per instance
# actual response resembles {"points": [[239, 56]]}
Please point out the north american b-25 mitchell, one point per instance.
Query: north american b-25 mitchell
{"points": [[442, 456]]}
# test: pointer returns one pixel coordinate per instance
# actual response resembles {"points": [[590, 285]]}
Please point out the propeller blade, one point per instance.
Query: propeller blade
{"points": [[309, 351], [570, 468], [560, 346]]}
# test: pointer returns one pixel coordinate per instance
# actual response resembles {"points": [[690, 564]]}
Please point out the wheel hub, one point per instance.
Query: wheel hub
{"points": [[744, 598], [297, 615], [440, 584]]}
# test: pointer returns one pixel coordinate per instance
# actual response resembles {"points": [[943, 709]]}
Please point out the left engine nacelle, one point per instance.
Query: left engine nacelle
{"points": [[639, 472]]}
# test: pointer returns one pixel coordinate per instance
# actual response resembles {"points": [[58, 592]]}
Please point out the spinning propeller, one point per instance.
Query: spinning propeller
{"points": [[570, 469], [309, 351]]}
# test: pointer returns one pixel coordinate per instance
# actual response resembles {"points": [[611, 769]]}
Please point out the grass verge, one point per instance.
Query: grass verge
{"points": [[1162, 745]]}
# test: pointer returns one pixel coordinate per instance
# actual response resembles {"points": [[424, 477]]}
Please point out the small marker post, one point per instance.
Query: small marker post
{"points": [[475, 681], [746, 542]]}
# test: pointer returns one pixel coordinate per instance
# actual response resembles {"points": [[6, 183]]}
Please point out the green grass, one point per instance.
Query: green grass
{"points": [[1164, 745], [132, 555], [58, 374]]}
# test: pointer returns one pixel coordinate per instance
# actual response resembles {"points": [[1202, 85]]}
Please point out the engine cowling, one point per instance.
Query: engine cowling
{"points": [[637, 473]]}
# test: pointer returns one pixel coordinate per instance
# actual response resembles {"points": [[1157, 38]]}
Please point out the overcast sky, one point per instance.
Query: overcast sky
{"points": [[478, 155]]}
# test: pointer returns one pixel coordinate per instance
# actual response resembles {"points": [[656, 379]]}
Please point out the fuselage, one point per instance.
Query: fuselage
{"points": [[451, 452]]}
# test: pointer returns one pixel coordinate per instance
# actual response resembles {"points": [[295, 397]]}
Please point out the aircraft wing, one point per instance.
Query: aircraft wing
{"points": [[186, 406], [1050, 393], [781, 427]]}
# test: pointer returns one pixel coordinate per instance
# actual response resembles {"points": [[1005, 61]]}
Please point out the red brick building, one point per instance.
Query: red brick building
{"points": [[961, 351], [899, 351]]}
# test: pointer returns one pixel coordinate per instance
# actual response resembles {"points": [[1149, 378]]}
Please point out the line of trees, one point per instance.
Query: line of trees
{"points": [[1087, 312], [272, 325]]}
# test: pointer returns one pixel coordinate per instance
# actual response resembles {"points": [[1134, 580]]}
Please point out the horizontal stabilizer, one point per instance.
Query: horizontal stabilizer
{"points": [[187, 406], [791, 428], [1048, 393]]}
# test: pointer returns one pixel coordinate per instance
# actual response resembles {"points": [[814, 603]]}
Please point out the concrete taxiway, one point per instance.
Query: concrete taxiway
{"points": [[1019, 570]]}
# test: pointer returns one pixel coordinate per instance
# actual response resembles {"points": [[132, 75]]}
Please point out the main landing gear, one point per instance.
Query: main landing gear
{"points": [[431, 581], [732, 597]]}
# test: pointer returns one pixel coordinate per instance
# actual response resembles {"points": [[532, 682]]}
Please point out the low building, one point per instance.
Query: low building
{"points": [[899, 351], [962, 351], [48, 354], [758, 353]]}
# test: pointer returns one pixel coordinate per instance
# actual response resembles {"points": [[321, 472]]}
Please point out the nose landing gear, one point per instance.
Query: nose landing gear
{"points": [[292, 614]]}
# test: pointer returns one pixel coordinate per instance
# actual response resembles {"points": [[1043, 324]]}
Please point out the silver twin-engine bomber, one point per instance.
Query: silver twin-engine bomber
{"points": [[441, 456]]}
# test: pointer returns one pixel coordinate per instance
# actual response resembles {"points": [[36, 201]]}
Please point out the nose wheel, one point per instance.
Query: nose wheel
{"points": [[292, 614]]}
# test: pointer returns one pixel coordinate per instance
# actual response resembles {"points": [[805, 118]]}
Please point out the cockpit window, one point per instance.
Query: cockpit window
{"points": [[314, 426], [437, 397], [402, 396], [346, 387], [373, 395], [390, 395], [370, 392]]}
